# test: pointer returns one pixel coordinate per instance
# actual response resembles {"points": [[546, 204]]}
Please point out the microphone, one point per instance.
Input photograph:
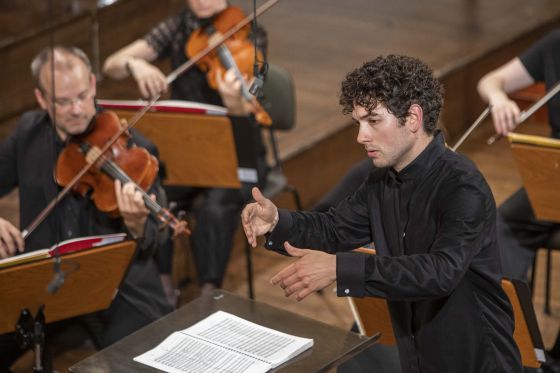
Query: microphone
{"points": [[56, 283], [258, 81], [58, 279], [256, 85]]}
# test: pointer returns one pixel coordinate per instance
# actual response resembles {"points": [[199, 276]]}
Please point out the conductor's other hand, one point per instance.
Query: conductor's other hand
{"points": [[11, 240], [258, 217], [312, 271]]}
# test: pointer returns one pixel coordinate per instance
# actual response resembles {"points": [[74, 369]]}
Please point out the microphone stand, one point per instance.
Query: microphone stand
{"points": [[30, 332]]}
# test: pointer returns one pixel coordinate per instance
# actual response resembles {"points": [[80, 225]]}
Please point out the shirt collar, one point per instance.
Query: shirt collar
{"points": [[424, 161]]}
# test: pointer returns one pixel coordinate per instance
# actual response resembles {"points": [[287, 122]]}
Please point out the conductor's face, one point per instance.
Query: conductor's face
{"points": [[387, 142], [72, 105]]}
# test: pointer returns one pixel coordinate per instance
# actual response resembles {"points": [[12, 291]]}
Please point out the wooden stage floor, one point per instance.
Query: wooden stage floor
{"points": [[319, 42]]}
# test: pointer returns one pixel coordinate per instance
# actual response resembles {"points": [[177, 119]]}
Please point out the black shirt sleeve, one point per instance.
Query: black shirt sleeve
{"points": [[8, 164], [534, 58], [160, 38]]}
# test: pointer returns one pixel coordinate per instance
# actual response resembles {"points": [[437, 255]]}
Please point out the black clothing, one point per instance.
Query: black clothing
{"points": [[217, 216], [437, 262], [27, 160]]}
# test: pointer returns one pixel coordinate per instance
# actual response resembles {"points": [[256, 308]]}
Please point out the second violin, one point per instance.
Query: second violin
{"points": [[236, 53]]}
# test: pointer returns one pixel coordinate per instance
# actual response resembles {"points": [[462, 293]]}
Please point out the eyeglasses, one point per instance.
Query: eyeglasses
{"points": [[66, 103]]}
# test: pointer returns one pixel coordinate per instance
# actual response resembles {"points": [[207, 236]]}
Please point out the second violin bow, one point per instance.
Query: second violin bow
{"points": [[478, 120]]}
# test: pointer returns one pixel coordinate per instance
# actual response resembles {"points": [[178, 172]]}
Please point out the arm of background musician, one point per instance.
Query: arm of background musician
{"points": [[8, 162], [11, 240], [494, 88], [134, 59]]}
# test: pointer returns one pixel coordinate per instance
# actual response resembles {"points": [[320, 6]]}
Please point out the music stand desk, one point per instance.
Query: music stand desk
{"points": [[91, 287], [332, 345]]}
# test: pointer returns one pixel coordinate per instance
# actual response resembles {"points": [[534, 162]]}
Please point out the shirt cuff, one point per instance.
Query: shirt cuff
{"points": [[275, 239], [350, 274]]}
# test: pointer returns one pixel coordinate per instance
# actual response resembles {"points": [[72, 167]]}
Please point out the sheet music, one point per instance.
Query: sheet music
{"points": [[181, 353], [224, 343]]}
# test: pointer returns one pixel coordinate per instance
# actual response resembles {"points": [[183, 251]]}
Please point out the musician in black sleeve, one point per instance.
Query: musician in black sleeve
{"points": [[520, 233]]}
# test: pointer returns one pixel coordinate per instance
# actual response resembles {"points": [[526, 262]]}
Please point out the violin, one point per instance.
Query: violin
{"points": [[121, 162], [236, 53]]}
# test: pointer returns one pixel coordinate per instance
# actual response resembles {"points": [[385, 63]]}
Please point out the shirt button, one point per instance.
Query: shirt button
{"points": [[346, 291], [270, 243], [69, 233], [404, 234]]}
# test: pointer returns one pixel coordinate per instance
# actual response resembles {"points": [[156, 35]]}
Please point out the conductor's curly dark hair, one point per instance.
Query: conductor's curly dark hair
{"points": [[396, 82]]}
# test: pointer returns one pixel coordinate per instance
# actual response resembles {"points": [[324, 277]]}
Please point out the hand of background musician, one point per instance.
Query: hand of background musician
{"points": [[131, 207], [505, 113], [312, 271], [259, 217], [149, 78], [11, 240], [229, 89]]}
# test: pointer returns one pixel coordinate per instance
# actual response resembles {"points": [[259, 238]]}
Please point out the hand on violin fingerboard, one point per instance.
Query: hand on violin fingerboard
{"points": [[229, 89], [131, 207]]}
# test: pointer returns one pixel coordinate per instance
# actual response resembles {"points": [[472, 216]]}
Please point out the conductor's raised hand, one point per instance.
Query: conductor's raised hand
{"points": [[258, 217], [312, 271]]}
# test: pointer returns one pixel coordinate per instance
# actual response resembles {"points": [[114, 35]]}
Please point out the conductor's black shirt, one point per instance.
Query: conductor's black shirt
{"points": [[437, 262]]}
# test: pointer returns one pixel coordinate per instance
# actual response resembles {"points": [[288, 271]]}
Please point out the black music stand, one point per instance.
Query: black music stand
{"points": [[98, 272]]}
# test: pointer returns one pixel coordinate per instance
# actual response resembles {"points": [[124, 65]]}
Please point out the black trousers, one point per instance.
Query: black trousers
{"points": [[217, 214], [520, 234]]}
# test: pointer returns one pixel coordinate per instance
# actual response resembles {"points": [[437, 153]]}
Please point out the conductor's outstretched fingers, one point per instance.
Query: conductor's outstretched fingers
{"points": [[258, 217]]}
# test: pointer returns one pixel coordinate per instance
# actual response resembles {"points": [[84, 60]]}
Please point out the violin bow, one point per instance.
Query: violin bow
{"points": [[522, 117], [140, 113], [478, 120]]}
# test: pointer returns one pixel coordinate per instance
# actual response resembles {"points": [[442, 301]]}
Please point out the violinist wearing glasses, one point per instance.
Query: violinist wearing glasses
{"points": [[219, 214], [27, 162]]}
